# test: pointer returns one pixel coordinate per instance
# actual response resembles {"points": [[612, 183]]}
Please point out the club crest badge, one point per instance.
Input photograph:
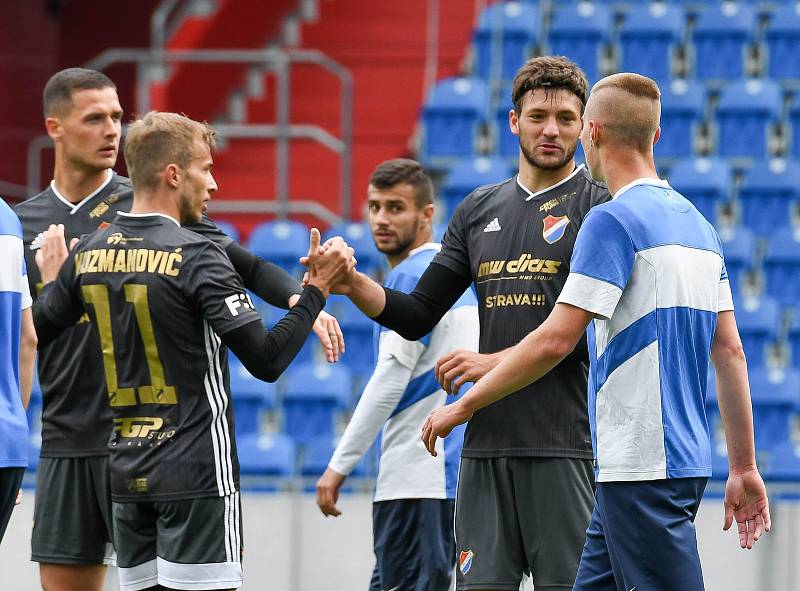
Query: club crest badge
{"points": [[465, 561], [554, 228]]}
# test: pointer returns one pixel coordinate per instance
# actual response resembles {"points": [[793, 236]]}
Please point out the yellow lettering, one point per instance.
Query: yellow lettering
{"points": [[489, 301], [106, 262], [551, 267], [119, 263], [153, 259], [496, 267], [141, 260], [174, 258]]}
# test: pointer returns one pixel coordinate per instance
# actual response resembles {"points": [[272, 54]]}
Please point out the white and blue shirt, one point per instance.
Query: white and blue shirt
{"points": [[650, 267], [14, 297], [403, 391]]}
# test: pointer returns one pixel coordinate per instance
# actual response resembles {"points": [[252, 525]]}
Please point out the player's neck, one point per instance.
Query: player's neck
{"points": [[536, 179], [622, 168], [75, 184], [396, 259], [145, 202]]}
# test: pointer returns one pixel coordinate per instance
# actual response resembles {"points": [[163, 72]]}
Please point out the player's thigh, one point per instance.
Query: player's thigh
{"points": [[595, 572], [554, 502], [71, 517], [650, 531], [72, 577], [489, 549], [200, 543]]}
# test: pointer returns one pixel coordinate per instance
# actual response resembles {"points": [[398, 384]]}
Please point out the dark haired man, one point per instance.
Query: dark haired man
{"points": [[412, 511], [72, 531], [525, 489]]}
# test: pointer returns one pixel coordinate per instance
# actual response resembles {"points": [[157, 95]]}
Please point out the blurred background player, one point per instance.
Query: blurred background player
{"points": [[164, 300], [17, 352], [72, 528], [649, 279], [413, 506]]}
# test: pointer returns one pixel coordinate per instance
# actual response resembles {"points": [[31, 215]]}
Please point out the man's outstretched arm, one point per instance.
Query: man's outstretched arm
{"points": [[745, 494]]}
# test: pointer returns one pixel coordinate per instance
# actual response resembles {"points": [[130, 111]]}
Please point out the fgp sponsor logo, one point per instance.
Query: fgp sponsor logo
{"points": [[526, 263], [465, 561], [238, 300], [554, 228], [141, 428]]}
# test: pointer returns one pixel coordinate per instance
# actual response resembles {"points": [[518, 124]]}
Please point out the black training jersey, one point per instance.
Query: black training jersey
{"points": [[516, 248], [159, 296], [76, 419]]}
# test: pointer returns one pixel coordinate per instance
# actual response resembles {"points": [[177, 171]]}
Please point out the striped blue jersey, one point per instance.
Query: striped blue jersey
{"points": [[14, 297], [650, 267], [402, 393]]}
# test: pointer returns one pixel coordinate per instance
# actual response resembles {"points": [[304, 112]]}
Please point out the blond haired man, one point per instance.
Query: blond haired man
{"points": [[648, 279]]}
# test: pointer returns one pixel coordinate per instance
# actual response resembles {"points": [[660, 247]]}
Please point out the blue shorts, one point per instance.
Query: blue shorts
{"points": [[642, 537], [414, 545]]}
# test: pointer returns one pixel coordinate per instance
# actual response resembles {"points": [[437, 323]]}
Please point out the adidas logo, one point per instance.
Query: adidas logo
{"points": [[493, 226]]}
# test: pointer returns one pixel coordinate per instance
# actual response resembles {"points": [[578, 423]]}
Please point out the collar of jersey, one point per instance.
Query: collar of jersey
{"points": [[643, 181], [551, 187], [75, 206], [127, 214], [428, 245]]}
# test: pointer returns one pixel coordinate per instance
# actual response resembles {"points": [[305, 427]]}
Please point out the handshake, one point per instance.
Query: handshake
{"points": [[331, 266]]}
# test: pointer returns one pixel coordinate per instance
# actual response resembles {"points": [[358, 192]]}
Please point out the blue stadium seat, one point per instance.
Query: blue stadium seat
{"points": [[506, 143], [251, 397], [682, 108], [758, 321], [782, 267], [783, 464], [359, 236], [281, 242], [469, 174], [314, 392], [228, 228], [783, 41], [504, 38], [720, 40], [648, 38], [451, 118], [794, 117], [266, 455], [579, 32], [794, 339], [775, 394], [703, 181], [358, 330], [767, 193], [738, 247], [747, 109]]}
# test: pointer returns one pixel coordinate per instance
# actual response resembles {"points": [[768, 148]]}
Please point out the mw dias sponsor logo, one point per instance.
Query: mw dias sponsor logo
{"points": [[526, 263], [465, 561], [554, 228]]}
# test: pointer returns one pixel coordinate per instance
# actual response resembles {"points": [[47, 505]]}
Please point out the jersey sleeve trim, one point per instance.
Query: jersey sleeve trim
{"points": [[590, 294], [725, 301]]}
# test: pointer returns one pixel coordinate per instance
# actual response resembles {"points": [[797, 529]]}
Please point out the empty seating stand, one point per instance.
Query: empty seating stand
{"points": [[767, 194], [746, 114], [469, 174], [505, 36], [580, 31], [758, 320], [682, 109], [738, 247], [314, 393], [721, 39], [649, 37], [703, 181], [782, 267], [783, 42], [281, 242]]}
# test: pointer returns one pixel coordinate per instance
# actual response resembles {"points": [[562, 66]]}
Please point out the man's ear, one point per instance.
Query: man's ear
{"points": [[53, 127], [172, 175]]}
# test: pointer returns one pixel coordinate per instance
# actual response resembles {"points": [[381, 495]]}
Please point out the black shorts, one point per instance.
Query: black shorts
{"points": [[518, 517], [72, 512], [414, 546], [187, 544], [10, 480]]}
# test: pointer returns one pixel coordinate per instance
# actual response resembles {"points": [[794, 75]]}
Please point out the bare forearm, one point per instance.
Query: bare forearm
{"points": [[27, 357], [367, 295], [733, 395]]}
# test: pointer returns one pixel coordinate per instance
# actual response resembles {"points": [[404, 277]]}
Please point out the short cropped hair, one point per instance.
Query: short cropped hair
{"points": [[633, 121], [550, 73], [634, 84], [58, 91], [158, 140], [404, 170]]}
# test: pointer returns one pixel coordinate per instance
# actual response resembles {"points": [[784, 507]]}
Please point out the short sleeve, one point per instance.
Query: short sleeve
{"points": [[455, 251], [601, 265], [218, 291]]}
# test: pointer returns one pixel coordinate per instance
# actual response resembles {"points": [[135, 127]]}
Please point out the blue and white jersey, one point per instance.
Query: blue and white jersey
{"points": [[403, 391], [650, 267], [14, 297]]}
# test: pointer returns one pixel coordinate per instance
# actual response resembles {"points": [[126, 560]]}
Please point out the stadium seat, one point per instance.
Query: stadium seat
{"points": [[682, 108], [359, 236], [648, 39], [504, 38], [783, 464], [579, 31], [358, 332], [314, 392], [746, 112], [767, 193], [228, 228], [758, 321], [506, 144], [469, 174], [251, 397], [281, 242], [720, 38], [266, 455], [794, 117], [738, 247], [451, 118], [794, 339], [703, 181], [782, 267], [783, 42], [775, 394]]}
